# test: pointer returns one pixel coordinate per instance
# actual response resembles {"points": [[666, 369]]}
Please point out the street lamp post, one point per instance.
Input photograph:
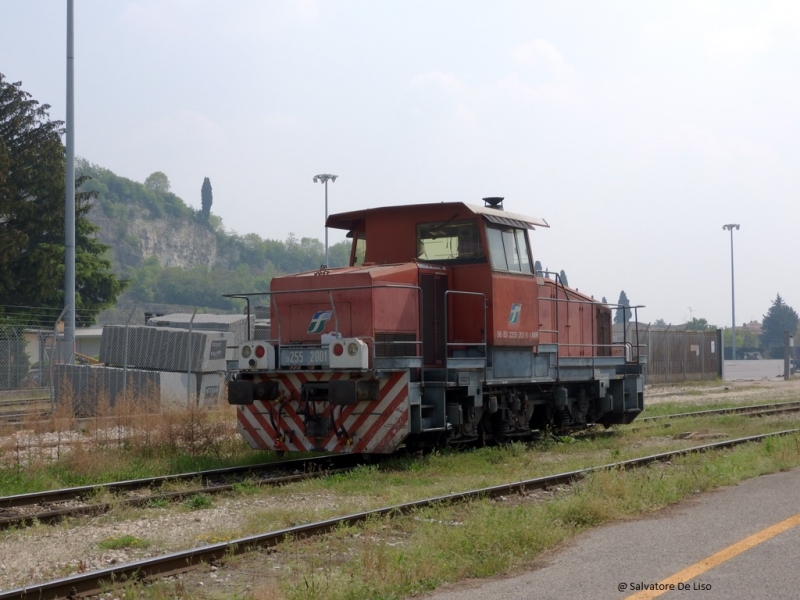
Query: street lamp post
{"points": [[324, 179], [69, 201], [730, 227]]}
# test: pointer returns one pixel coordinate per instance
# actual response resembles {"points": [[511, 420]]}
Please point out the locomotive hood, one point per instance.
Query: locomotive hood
{"points": [[351, 301]]}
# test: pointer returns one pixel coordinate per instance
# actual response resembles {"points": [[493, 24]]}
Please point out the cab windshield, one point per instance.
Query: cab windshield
{"points": [[449, 241], [508, 247]]}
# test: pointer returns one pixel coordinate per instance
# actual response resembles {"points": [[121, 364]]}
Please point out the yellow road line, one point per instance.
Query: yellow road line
{"points": [[717, 559]]}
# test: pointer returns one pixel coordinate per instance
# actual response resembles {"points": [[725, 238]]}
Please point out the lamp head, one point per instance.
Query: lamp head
{"points": [[324, 178]]}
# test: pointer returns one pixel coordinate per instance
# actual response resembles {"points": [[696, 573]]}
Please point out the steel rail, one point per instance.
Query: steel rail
{"points": [[15, 418], [170, 564], [80, 492], [57, 514], [18, 409], [756, 409]]}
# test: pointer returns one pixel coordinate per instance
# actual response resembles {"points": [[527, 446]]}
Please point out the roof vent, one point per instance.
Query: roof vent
{"points": [[493, 202]]}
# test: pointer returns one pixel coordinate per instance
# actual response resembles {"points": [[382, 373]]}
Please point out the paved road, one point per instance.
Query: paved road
{"points": [[680, 538], [753, 370]]}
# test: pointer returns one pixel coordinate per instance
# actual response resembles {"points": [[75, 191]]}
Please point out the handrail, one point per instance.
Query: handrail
{"points": [[447, 344], [556, 333], [614, 306], [333, 308]]}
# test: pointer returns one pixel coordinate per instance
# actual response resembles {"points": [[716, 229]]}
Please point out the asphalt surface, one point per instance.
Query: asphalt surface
{"points": [[750, 370], [599, 563]]}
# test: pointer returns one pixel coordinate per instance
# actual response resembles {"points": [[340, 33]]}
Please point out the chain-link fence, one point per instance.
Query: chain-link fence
{"points": [[178, 359]]}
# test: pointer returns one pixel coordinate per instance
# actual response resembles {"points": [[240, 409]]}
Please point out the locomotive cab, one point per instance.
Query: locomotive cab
{"points": [[455, 337]]}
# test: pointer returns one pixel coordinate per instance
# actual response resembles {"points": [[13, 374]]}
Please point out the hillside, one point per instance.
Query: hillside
{"points": [[173, 256]]}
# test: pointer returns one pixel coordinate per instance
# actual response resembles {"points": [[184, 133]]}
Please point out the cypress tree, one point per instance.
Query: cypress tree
{"points": [[206, 198]]}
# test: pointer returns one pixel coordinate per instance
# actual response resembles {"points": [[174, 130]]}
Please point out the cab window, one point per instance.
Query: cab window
{"points": [[508, 249], [449, 241], [359, 250]]}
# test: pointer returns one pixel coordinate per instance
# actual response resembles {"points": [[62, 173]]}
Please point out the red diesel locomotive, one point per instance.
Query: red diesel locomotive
{"points": [[439, 331]]}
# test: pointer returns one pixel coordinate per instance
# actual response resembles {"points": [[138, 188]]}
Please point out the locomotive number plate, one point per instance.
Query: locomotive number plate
{"points": [[304, 357]]}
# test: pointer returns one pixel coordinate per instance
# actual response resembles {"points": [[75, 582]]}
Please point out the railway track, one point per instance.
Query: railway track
{"points": [[54, 505], [170, 564], [754, 410], [16, 410]]}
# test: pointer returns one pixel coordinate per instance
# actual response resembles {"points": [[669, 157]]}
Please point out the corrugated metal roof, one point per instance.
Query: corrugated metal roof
{"points": [[502, 217], [507, 221]]}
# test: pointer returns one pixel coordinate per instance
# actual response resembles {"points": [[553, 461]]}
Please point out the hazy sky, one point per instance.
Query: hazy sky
{"points": [[637, 129]]}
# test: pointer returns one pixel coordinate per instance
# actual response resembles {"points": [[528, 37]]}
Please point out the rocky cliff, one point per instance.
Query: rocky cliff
{"points": [[135, 236]]}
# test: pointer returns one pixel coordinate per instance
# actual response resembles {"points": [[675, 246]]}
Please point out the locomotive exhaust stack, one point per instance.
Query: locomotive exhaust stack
{"points": [[439, 331]]}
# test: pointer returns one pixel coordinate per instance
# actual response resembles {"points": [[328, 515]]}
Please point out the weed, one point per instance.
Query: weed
{"points": [[217, 537], [125, 439], [246, 488], [198, 502], [123, 541], [158, 503]]}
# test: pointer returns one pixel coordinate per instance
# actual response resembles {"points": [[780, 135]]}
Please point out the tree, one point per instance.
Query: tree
{"points": [[206, 198], [746, 340], [779, 318], [32, 180], [339, 254], [660, 323], [697, 324], [623, 315], [157, 182]]}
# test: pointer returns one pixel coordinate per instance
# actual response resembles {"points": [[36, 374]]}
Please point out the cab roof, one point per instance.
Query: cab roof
{"points": [[350, 220]]}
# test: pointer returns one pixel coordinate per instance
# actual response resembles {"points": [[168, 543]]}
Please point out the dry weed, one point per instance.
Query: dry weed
{"points": [[81, 431], [64, 424]]}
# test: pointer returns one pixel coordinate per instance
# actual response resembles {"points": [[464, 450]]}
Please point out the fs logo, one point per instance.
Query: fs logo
{"points": [[513, 318], [318, 321]]}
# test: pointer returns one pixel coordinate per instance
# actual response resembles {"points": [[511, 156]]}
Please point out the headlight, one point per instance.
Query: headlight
{"points": [[352, 349], [245, 351]]}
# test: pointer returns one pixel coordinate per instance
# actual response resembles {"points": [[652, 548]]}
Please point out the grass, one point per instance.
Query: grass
{"points": [[667, 408], [690, 383], [391, 558], [440, 472], [130, 441], [123, 542], [414, 554], [413, 477]]}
